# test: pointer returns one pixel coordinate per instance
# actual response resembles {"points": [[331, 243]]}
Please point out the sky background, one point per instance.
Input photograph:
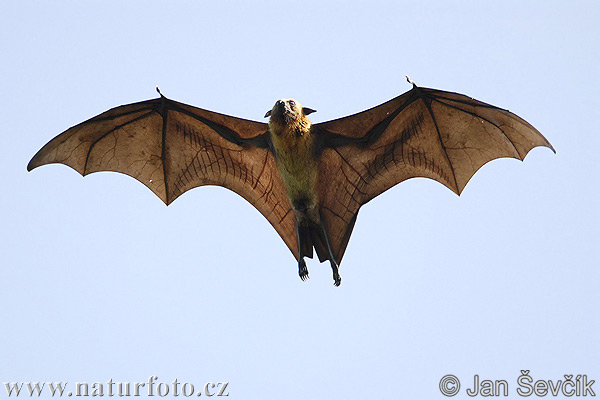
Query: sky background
{"points": [[100, 280]]}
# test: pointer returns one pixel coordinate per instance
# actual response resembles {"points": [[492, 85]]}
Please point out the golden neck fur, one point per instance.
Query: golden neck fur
{"points": [[293, 145]]}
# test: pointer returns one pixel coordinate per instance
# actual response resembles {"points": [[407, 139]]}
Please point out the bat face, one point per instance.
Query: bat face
{"points": [[288, 112], [285, 112]]}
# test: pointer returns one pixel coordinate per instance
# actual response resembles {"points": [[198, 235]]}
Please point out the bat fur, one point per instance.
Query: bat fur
{"points": [[295, 152]]}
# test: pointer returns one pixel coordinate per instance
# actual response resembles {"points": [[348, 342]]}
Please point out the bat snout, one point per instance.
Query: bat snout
{"points": [[284, 111], [278, 109], [283, 106]]}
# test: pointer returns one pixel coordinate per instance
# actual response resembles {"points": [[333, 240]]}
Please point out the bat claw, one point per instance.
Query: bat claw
{"points": [[302, 270], [410, 81], [337, 280]]}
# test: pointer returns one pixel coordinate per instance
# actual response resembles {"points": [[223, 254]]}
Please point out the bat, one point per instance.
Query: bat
{"points": [[308, 180]]}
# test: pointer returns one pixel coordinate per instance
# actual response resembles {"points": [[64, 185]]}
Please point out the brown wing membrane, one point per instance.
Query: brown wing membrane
{"points": [[421, 133], [172, 147]]}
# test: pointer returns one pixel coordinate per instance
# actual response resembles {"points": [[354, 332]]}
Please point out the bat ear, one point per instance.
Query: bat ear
{"points": [[306, 110], [268, 114]]}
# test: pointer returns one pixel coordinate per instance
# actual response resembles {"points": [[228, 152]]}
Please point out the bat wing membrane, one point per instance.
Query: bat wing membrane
{"points": [[422, 133], [172, 147]]}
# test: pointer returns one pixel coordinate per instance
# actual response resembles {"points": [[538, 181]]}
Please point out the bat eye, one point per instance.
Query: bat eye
{"points": [[292, 103]]}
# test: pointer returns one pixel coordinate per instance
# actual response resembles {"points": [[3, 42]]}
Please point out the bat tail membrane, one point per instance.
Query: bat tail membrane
{"points": [[311, 236], [319, 243], [305, 240]]}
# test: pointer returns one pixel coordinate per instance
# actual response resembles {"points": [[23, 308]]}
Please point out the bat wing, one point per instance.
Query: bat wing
{"points": [[172, 147], [422, 133]]}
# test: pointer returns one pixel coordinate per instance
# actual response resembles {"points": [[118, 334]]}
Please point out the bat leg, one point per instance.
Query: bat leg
{"points": [[311, 232], [337, 279], [302, 269]]}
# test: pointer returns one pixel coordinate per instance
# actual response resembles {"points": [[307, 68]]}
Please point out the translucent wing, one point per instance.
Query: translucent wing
{"points": [[172, 147], [421, 133]]}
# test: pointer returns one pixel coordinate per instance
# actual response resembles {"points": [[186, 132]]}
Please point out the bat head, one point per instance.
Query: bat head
{"points": [[288, 112]]}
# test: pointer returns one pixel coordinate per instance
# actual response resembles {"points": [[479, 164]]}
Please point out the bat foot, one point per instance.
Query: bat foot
{"points": [[302, 270], [337, 280]]}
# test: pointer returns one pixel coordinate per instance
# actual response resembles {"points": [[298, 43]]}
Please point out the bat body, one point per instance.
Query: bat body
{"points": [[308, 180], [294, 149], [297, 154]]}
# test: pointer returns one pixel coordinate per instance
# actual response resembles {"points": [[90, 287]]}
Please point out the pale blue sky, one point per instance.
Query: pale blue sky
{"points": [[101, 280]]}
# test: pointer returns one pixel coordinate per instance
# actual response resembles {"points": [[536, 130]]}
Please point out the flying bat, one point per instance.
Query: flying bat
{"points": [[308, 180]]}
